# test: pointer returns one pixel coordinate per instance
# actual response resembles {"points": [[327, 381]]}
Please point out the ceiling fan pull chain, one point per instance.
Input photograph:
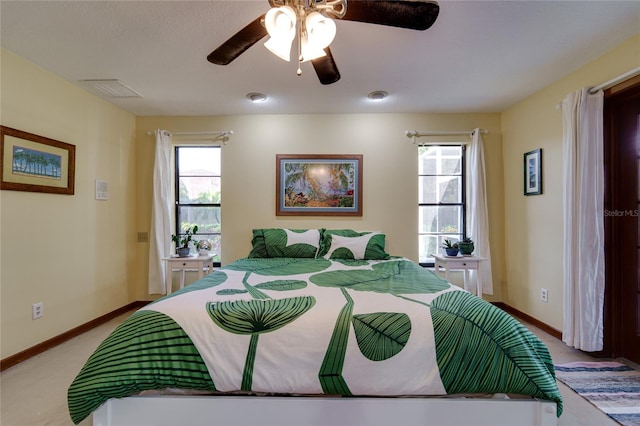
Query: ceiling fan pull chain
{"points": [[300, 22]]}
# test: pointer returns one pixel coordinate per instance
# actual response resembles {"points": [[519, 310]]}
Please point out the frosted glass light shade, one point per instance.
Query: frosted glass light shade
{"points": [[281, 26], [310, 51], [320, 30]]}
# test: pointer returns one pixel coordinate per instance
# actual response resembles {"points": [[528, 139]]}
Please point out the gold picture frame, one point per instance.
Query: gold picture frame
{"points": [[34, 163]]}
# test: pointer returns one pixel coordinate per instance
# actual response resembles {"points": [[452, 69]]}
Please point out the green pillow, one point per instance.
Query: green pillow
{"points": [[349, 244], [278, 242]]}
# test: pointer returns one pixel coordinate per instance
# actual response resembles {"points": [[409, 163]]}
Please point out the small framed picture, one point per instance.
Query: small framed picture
{"points": [[533, 172]]}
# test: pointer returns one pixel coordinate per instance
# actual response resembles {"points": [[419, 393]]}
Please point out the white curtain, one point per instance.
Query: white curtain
{"points": [[583, 183], [160, 235], [477, 213]]}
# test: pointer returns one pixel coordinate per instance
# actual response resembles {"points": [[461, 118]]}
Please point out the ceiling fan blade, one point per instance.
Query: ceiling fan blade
{"points": [[238, 43], [413, 15], [326, 68]]}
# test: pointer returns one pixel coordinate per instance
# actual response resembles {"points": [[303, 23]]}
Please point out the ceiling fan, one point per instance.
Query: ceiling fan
{"points": [[310, 21]]}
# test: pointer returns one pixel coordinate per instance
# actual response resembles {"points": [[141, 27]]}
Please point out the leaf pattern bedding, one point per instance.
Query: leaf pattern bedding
{"points": [[318, 326]]}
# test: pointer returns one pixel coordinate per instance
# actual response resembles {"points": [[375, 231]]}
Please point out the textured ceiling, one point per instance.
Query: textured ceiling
{"points": [[479, 56]]}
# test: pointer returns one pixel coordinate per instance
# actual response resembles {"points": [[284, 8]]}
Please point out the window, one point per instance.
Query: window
{"points": [[198, 193], [441, 198]]}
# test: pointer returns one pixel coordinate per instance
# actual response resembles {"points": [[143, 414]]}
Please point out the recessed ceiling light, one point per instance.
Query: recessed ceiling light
{"points": [[256, 97], [378, 95]]}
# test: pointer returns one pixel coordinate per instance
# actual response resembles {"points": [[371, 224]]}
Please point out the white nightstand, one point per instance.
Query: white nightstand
{"points": [[464, 263], [183, 264]]}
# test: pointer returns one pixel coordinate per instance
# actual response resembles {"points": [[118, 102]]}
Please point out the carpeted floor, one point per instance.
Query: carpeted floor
{"points": [[611, 386]]}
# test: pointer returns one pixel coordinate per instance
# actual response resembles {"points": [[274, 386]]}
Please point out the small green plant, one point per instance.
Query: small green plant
{"points": [[466, 246], [184, 240], [449, 245]]}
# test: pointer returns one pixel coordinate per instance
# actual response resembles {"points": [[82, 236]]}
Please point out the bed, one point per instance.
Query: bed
{"points": [[318, 327]]}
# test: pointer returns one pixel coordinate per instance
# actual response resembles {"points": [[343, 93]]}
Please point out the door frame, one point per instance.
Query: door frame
{"points": [[621, 302]]}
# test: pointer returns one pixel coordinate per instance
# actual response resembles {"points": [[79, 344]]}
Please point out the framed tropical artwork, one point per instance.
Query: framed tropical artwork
{"points": [[35, 163], [318, 185]]}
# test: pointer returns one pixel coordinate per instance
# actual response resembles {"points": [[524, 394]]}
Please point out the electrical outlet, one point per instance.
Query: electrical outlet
{"points": [[37, 310], [544, 295]]}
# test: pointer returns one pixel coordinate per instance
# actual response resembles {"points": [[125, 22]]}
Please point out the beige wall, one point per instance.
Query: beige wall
{"points": [[389, 166], [72, 253], [534, 224]]}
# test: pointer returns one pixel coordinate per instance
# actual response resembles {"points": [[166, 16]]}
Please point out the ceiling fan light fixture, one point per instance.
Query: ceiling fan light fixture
{"points": [[309, 50], [319, 33], [294, 16], [281, 26], [320, 30], [279, 48]]}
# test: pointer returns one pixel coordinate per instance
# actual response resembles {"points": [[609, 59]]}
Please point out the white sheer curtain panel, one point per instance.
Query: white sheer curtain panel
{"points": [[477, 213], [160, 235], [583, 184]]}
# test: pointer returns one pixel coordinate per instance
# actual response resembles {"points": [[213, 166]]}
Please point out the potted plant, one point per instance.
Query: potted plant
{"points": [[466, 246], [450, 248], [203, 247], [182, 241]]}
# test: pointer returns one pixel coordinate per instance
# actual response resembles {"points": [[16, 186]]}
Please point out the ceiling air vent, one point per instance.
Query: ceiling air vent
{"points": [[112, 89]]}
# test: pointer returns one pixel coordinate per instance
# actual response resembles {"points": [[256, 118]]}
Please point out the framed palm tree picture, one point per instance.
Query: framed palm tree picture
{"points": [[318, 185], [34, 163]]}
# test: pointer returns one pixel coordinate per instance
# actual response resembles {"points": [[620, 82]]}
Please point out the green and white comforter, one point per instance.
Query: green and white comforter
{"points": [[318, 326]]}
